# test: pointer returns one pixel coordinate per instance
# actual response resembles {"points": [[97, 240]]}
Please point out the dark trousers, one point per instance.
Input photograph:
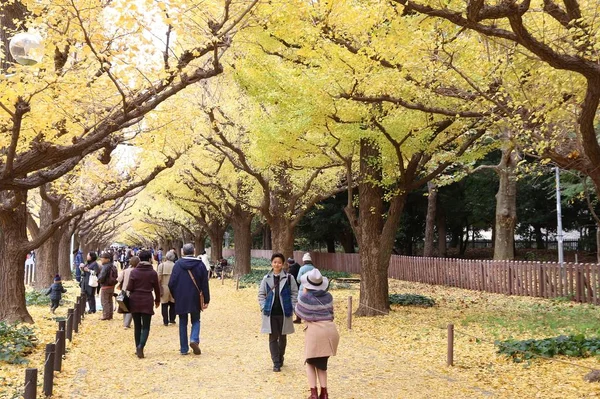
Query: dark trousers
{"points": [[277, 340], [55, 303], [141, 328], [91, 300], [168, 312]]}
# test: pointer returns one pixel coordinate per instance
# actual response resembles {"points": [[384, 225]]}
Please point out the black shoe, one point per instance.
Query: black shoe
{"points": [[297, 321], [276, 369], [165, 324], [139, 351]]}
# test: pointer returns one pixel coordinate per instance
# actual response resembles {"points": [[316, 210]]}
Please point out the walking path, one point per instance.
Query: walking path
{"points": [[235, 361]]}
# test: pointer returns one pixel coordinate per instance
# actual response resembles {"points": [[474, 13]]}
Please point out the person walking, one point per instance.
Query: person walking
{"points": [[108, 279], [321, 338], [143, 280], [55, 291], [90, 268], [277, 297], [305, 268], [77, 262], [293, 269], [189, 286], [123, 281], [166, 299]]}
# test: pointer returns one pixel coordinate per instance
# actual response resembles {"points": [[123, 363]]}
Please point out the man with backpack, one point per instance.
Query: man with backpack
{"points": [[107, 279]]}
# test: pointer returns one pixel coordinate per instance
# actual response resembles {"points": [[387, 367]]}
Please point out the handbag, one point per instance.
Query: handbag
{"points": [[202, 306], [123, 301], [93, 281]]}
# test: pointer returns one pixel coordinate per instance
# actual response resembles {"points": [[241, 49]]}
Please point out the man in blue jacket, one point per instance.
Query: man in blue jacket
{"points": [[77, 261], [189, 279]]}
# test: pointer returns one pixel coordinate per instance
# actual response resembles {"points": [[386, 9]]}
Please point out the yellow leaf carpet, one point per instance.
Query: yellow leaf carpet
{"points": [[402, 355]]}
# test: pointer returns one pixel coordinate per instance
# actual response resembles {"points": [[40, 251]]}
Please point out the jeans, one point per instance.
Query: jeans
{"points": [[127, 317], [168, 312], [277, 340], [141, 328], [195, 333]]}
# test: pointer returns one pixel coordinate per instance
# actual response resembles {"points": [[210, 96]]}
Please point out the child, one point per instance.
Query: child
{"points": [[55, 291]]}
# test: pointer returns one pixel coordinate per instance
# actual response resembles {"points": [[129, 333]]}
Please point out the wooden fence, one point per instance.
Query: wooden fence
{"points": [[578, 281]]}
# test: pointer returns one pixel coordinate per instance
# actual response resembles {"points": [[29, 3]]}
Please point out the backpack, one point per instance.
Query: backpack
{"points": [[112, 277]]}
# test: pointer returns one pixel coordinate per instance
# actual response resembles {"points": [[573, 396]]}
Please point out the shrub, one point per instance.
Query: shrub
{"points": [[572, 345], [37, 298], [15, 343], [411, 300]]}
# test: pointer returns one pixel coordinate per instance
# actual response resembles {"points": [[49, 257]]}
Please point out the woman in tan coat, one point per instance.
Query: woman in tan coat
{"points": [[123, 280], [166, 299], [315, 307]]}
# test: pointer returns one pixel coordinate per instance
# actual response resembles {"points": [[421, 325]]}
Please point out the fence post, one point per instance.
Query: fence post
{"points": [[237, 282], [350, 312], [70, 325], [76, 318], [60, 349], [450, 355], [30, 384], [49, 369]]}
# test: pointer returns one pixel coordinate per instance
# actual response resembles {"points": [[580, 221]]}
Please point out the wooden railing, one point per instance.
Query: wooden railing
{"points": [[578, 281]]}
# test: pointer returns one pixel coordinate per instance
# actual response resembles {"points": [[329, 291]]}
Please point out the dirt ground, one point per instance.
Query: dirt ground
{"points": [[402, 355]]}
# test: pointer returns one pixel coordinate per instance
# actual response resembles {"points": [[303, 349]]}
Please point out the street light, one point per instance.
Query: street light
{"points": [[26, 48]]}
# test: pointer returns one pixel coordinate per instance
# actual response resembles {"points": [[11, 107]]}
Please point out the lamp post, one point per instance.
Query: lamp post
{"points": [[559, 230]]}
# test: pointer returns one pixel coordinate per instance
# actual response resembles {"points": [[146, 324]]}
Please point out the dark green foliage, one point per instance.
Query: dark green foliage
{"points": [[15, 343], [37, 298], [332, 274], [572, 345], [411, 300]]}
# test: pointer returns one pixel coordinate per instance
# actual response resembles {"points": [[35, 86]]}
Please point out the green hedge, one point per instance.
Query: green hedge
{"points": [[37, 298], [572, 345], [411, 300], [16, 342]]}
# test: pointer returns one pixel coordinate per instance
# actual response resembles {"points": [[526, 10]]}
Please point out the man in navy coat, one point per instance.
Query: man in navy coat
{"points": [[188, 278]]}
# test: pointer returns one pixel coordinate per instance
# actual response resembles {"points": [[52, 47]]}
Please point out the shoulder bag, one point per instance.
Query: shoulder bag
{"points": [[199, 291], [93, 281]]}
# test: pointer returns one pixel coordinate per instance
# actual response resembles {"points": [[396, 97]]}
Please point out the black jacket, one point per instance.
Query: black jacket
{"points": [[55, 291]]}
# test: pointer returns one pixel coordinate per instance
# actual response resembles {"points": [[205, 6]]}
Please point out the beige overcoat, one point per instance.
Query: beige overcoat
{"points": [[164, 274], [321, 339]]}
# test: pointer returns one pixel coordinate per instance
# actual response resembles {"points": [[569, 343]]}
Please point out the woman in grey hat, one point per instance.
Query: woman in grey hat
{"points": [[315, 307]]}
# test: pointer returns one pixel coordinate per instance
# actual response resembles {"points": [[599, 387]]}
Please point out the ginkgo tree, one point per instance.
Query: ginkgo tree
{"points": [[106, 73]]}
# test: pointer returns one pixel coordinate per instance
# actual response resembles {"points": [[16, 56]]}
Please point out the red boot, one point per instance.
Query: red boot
{"points": [[323, 394], [314, 394]]}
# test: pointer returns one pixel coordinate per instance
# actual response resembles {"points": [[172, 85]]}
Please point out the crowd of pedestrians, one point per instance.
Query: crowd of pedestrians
{"points": [[180, 286]]}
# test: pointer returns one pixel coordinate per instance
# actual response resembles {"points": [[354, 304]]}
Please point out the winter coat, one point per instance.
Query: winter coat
{"points": [[85, 278], [263, 294], [321, 337], [303, 270], [105, 275], [143, 279], [55, 291], [123, 278], [185, 293], [76, 262], [294, 269], [164, 275]]}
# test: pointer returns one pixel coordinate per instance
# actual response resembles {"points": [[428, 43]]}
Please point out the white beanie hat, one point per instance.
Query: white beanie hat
{"points": [[306, 257]]}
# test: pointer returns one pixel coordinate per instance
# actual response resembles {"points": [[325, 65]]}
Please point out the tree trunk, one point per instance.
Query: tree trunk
{"points": [[216, 245], [506, 207], [13, 234], [177, 245], [242, 232], [267, 242], [9, 14], [346, 238], [199, 242], [330, 245], [598, 243], [282, 235], [375, 238], [64, 255], [46, 265], [428, 249], [441, 228]]}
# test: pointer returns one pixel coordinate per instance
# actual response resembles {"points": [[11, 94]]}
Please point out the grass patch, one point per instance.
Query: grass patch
{"points": [[36, 297], [545, 319]]}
